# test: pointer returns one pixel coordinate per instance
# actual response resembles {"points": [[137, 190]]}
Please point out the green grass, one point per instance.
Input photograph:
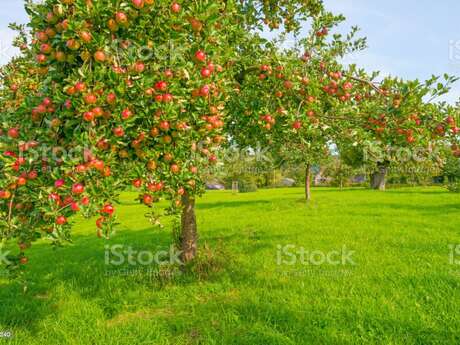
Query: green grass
{"points": [[402, 288]]}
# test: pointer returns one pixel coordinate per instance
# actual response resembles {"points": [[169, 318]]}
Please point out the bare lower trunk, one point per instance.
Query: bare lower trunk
{"points": [[378, 178], [189, 234], [308, 183]]}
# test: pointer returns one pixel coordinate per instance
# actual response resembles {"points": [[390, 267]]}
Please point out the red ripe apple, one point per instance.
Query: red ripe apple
{"points": [[121, 18], [175, 7], [22, 181], [126, 114], [204, 91], [41, 58], [61, 220], [13, 133], [165, 126], [98, 164], [265, 68], [90, 98], [85, 201], [108, 209], [297, 124], [205, 72], [139, 67], [212, 159], [167, 98], [59, 183], [80, 87], [55, 197], [99, 56], [5, 194], [78, 188], [86, 36], [175, 168], [288, 84], [154, 132], [45, 48], [450, 120], [32, 175], [74, 206], [169, 73], [347, 86], [80, 168], [147, 199], [73, 44], [440, 130], [111, 98], [200, 56], [42, 36], [161, 86], [119, 131], [138, 3], [98, 111], [137, 183], [88, 116]]}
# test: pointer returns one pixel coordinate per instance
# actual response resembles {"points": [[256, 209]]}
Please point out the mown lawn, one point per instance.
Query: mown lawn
{"points": [[401, 286]]}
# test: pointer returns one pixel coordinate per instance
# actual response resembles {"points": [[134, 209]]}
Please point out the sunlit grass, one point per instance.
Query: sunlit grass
{"points": [[401, 289]]}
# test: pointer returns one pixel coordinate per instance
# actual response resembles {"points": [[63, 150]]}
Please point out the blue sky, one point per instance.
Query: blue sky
{"points": [[407, 38]]}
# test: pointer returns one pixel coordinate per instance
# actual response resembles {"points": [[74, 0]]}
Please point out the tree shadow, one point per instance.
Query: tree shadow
{"points": [[438, 209], [416, 192], [80, 265], [81, 268], [230, 204]]}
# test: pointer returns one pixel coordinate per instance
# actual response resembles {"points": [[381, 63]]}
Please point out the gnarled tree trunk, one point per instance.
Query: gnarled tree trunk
{"points": [[378, 178], [189, 233], [308, 183]]}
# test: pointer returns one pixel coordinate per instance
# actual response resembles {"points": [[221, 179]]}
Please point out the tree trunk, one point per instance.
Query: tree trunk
{"points": [[378, 178], [308, 183], [189, 233]]}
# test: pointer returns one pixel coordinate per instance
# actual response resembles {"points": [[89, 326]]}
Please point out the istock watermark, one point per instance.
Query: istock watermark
{"points": [[4, 257], [302, 262], [6, 334], [120, 255], [291, 255], [454, 52]]}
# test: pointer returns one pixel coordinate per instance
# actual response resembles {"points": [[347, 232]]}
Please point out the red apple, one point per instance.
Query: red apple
{"points": [[61, 220], [78, 188], [175, 7]]}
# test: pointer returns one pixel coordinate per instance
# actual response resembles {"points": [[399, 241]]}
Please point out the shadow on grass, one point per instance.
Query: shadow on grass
{"points": [[80, 269], [80, 266], [438, 209], [413, 192], [230, 204]]}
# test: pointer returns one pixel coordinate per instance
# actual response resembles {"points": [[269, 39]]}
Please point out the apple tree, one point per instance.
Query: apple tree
{"points": [[398, 123], [129, 93], [296, 101]]}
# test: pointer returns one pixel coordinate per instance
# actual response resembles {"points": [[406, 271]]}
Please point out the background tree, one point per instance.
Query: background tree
{"points": [[397, 122]]}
